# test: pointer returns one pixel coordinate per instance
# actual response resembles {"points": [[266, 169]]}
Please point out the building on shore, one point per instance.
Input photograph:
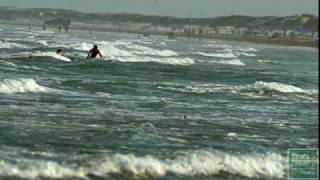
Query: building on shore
{"points": [[225, 30]]}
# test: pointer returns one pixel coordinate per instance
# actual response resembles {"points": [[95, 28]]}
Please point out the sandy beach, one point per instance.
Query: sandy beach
{"points": [[258, 40], [304, 42]]}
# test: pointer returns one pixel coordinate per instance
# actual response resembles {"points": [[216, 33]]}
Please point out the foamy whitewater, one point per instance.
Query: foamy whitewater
{"points": [[151, 108]]}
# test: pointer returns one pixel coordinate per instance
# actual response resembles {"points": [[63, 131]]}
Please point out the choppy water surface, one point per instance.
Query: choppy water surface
{"points": [[151, 108]]}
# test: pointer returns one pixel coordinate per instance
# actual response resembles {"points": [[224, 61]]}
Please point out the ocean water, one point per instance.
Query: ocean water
{"points": [[151, 108]]}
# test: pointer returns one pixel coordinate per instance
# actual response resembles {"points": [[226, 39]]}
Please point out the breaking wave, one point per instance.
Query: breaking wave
{"points": [[245, 54], [246, 49], [257, 88], [23, 85], [203, 163], [220, 55], [143, 50], [125, 48], [275, 86], [235, 62], [36, 54], [172, 61], [125, 51], [12, 45], [84, 46]]}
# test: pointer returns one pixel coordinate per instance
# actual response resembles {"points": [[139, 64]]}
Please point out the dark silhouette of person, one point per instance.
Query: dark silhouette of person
{"points": [[59, 51], [94, 52], [189, 32]]}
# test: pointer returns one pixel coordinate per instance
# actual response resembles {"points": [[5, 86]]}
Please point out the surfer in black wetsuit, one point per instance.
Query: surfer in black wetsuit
{"points": [[59, 51], [94, 52]]}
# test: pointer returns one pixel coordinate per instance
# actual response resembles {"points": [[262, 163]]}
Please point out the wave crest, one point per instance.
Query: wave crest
{"points": [[257, 88], [219, 55], [275, 86], [172, 61], [23, 85], [12, 45], [235, 62], [194, 163], [36, 54]]}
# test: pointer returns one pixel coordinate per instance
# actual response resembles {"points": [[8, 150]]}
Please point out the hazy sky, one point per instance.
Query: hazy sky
{"points": [[179, 8]]}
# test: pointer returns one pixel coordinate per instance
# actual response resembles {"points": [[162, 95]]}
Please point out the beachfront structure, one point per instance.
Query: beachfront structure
{"points": [[290, 34], [258, 33], [134, 25], [59, 23], [276, 34], [191, 28], [163, 29], [225, 30], [242, 31]]}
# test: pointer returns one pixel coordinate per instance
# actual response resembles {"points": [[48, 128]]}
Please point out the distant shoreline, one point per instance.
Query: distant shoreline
{"points": [[257, 40]]}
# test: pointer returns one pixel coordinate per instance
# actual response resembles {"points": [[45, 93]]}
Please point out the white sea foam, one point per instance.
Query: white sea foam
{"points": [[124, 51], [23, 85], [109, 49], [118, 42], [137, 53], [37, 169], [146, 42], [245, 54], [43, 42], [121, 42], [204, 163], [143, 50], [56, 56], [36, 54], [114, 52], [220, 55], [236, 62], [44, 32], [249, 52], [232, 134], [168, 60], [262, 88], [264, 61], [219, 46], [258, 88], [83, 46], [12, 45], [275, 86], [163, 43], [247, 49]]}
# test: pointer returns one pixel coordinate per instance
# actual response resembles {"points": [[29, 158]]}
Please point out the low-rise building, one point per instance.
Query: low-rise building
{"points": [[225, 30], [276, 34]]}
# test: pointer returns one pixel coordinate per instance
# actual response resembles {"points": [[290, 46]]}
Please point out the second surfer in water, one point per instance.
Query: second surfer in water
{"points": [[94, 52], [59, 51]]}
